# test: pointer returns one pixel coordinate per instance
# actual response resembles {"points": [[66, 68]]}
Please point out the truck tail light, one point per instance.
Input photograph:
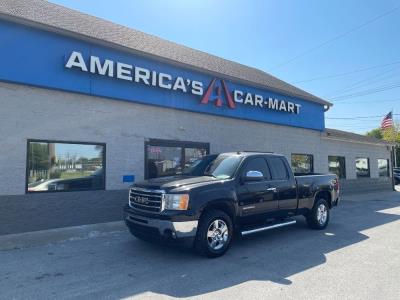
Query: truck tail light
{"points": [[336, 184]]}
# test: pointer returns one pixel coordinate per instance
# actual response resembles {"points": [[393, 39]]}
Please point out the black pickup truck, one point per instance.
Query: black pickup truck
{"points": [[220, 195]]}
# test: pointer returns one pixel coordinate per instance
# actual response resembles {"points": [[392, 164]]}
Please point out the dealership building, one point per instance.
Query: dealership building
{"points": [[89, 106]]}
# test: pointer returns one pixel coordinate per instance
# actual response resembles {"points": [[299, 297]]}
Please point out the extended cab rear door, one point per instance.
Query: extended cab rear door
{"points": [[284, 184]]}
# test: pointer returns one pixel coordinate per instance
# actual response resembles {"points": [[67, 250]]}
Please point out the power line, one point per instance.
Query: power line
{"points": [[358, 117], [370, 101], [346, 73], [354, 121], [353, 127], [369, 125], [368, 82], [365, 92], [365, 81], [368, 128], [339, 36]]}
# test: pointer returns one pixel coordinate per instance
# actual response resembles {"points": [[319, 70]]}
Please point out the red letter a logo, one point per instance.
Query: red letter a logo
{"points": [[218, 101]]}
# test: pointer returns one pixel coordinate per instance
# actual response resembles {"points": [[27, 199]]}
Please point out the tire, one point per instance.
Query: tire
{"points": [[214, 233], [318, 217]]}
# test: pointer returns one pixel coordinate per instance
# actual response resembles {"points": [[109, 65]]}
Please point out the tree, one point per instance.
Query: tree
{"points": [[376, 133], [38, 157], [391, 135], [38, 162]]}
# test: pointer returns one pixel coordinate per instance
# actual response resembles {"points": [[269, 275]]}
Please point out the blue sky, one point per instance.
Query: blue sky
{"points": [[267, 34]]}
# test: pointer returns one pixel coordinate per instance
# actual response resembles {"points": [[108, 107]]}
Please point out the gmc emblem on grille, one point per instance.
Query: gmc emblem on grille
{"points": [[139, 199]]}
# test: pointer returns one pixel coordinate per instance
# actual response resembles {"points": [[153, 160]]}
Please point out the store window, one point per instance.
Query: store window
{"points": [[167, 158], [362, 167], [193, 154], [64, 166], [337, 165], [302, 163], [383, 167]]}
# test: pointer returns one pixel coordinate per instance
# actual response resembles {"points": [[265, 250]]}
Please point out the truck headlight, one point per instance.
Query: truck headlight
{"points": [[176, 201]]}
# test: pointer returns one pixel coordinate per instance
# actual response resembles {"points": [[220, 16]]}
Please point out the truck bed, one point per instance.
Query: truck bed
{"points": [[308, 184]]}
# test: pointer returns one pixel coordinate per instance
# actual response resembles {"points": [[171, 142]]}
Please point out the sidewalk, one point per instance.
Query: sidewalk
{"points": [[51, 236], [381, 195]]}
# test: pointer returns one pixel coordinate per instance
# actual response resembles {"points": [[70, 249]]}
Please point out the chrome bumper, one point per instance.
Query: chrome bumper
{"points": [[177, 229]]}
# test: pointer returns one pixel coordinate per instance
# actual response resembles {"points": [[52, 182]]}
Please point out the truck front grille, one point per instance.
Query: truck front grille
{"points": [[144, 199]]}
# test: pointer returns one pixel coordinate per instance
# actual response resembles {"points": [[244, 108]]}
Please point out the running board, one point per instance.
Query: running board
{"points": [[250, 231]]}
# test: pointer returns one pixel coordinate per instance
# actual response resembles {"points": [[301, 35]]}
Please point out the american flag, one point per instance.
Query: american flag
{"points": [[387, 121]]}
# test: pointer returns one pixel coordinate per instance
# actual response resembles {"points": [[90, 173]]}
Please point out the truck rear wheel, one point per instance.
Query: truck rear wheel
{"points": [[318, 217], [214, 233]]}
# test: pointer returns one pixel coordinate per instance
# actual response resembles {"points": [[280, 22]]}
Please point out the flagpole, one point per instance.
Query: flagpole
{"points": [[392, 139], [394, 136]]}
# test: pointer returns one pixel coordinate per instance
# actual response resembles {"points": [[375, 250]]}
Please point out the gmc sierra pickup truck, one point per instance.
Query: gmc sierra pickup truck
{"points": [[220, 195]]}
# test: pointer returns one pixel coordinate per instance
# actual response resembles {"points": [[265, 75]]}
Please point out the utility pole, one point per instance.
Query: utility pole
{"points": [[392, 131], [394, 140]]}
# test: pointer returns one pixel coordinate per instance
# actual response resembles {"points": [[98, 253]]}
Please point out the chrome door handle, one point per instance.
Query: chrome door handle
{"points": [[271, 189]]}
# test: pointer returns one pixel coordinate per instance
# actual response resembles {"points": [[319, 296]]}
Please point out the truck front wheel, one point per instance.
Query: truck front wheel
{"points": [[214, 233], [318, 217]]}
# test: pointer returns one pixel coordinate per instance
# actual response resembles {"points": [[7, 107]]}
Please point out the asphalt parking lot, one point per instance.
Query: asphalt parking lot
{"points": [[356, 257]]}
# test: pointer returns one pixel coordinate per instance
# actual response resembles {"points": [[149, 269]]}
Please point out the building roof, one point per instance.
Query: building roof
{"points": [[353, 137], [67, 21]]}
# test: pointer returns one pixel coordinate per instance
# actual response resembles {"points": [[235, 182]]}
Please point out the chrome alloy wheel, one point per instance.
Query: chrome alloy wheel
{"points": [[217, 234], [322, 214]]}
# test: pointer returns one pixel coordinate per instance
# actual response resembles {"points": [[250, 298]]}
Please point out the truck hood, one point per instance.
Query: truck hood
{"points": [[171, 182]]}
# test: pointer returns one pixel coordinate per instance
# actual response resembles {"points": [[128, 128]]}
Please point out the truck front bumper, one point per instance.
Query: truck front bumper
{"points": [[159, 229]]}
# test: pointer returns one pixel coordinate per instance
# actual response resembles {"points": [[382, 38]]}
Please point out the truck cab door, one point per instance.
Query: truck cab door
{"points": [[285, 184], [255, 196]]}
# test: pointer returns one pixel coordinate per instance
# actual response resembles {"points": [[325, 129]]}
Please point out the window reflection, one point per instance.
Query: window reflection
{"points": [[337, 166], [383, 167], [168, 158], [302, 163], [163, 161], [362, 167], [64, 166], [193, 154]]}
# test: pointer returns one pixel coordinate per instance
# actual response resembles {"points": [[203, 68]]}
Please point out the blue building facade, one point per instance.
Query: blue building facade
{"points": [[46, 59]]}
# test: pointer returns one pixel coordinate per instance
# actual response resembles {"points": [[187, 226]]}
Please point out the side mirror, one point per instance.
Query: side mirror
{"points": [[253, 176]]}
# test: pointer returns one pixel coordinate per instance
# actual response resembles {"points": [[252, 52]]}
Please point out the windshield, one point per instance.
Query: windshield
{"points": [[198, 167], [224, 166], [220, 166]]}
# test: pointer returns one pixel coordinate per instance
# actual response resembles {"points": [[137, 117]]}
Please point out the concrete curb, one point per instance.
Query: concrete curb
{"points": [[51, 236]]}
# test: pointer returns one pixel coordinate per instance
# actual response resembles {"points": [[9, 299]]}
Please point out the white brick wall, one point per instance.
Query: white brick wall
{"points": [[34, 113]]}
